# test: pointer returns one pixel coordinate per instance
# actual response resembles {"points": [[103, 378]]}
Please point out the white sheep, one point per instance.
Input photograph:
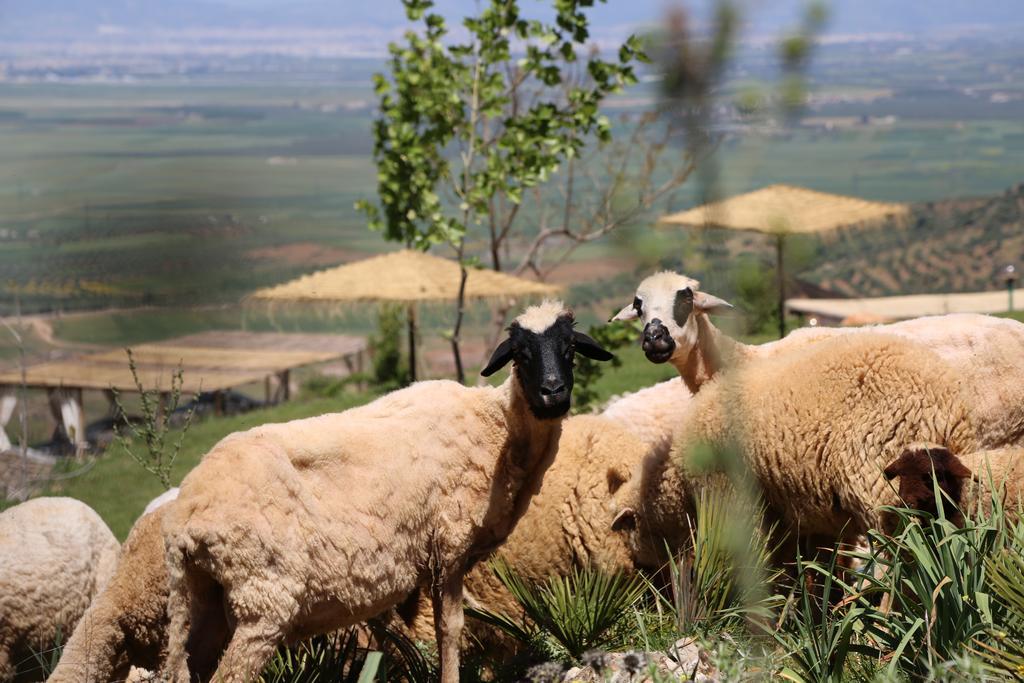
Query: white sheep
{"points": [[653, 413], [55, 555], [815, 427], [126, 623], [984, 351], [293, 529]]}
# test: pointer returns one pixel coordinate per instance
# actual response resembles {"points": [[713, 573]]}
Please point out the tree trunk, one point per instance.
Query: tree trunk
{"points": [[460, 304], [411, 318]]}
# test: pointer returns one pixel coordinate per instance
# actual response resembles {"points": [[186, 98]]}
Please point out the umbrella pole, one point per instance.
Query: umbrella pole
{"points": [[780, 269], [411, 317]]}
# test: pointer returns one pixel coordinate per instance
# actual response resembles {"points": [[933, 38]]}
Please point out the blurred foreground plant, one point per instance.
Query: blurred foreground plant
{"points": [[722, 577]]}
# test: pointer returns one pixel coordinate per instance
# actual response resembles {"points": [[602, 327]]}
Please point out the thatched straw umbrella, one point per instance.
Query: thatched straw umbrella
{"points": [[782, 210], [405, 277]]}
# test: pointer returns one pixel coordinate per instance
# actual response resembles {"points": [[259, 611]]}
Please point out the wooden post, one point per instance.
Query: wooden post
{"points": [[267, 395], [218, 403], [412, 342], [285, 389], [780, 267]]}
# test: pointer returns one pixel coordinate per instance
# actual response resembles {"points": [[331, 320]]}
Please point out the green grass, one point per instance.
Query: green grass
{"points": [[118, 488]]}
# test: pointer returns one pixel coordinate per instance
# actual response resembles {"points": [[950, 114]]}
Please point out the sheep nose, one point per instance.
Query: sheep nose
{"points": [[551, 386], [655, 331]]}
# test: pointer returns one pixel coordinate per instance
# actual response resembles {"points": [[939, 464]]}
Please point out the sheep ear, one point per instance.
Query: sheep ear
{"points": [[625, 520], [897, 467], [588, 347], [630, 312], [945, 461], [709, 303], [499, 359]]}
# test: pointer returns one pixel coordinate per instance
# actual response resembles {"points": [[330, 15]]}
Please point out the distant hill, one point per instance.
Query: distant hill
{"points": [[952, 246], [848, 16]]}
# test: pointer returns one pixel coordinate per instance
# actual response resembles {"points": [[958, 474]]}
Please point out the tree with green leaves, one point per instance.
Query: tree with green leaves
{"points": [[466, 126]]}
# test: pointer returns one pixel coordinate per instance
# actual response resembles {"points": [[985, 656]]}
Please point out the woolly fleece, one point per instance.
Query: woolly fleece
{"points": [[55, 555]]}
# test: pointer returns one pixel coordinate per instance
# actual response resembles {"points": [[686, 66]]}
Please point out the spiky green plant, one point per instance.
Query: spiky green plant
{"points": [[578, 612], [342, 657], [722, 575], [820, 640], [1003, 648]]}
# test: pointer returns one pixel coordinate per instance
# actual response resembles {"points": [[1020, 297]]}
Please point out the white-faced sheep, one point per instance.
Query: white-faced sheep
{"points": [[984, 351], [126, 624], [55, 555], [816, 427], [293, 529], [969, 481]]}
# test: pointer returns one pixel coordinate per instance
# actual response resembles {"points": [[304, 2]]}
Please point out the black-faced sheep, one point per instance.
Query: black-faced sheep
{"points": [[55, 555], [815, 427], [984, 351], [293, 529]]}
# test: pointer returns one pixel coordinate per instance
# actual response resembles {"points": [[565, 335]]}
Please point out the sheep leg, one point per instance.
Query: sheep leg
{"points": [[448, 620], [251, 645]]}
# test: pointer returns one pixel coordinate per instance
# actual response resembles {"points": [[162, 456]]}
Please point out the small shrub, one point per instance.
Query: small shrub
{"points": [[390, 370], [612, 336], [573, 614], [158, 458]]}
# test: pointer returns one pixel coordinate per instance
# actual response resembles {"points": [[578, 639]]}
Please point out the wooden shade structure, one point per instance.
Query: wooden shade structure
{"points": [[406, 277], [782, 210], [885, 308]]}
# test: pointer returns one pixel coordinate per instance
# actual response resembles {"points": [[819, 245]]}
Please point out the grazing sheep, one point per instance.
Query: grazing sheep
{"points": [[293, 529], [567, 524], [126, 625], [966, 480], [815, 427], [984, 351], [55, 555]]}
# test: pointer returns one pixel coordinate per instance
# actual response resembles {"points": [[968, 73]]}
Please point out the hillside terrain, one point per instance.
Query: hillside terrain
{"points": [[949, 246]]}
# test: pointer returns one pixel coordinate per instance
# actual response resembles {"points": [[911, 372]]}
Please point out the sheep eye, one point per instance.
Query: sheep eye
{"points": [[638, 306]]}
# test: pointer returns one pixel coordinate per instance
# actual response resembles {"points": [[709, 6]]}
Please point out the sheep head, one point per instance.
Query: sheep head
{"points": [[915, 468], [668, 305], [541, 344], [653, 509]]}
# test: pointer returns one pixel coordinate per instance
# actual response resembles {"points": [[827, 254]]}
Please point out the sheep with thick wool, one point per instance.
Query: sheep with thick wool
{"points": [[289, 530], [126, 624], [970, 481], [652, 413], [815, 427], [55, 555], [567, 524], [984, 351]]}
